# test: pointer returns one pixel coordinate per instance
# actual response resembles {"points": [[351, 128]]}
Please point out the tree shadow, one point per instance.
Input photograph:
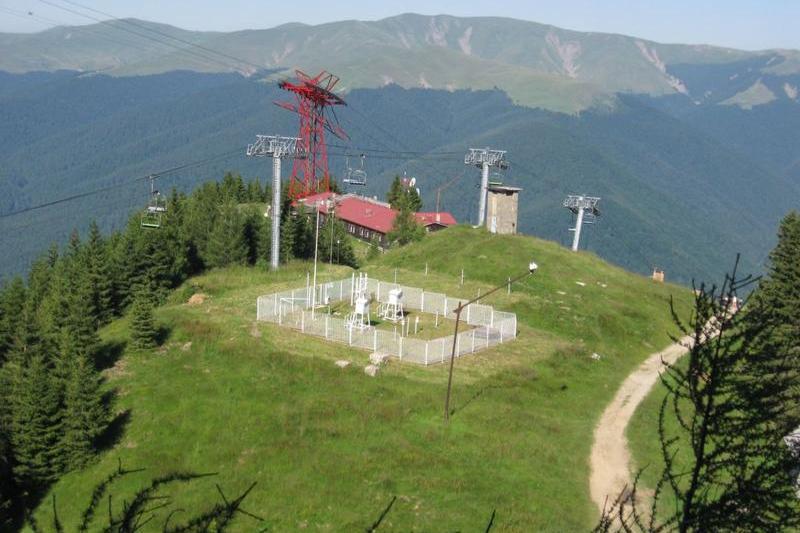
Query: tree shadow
{"points": [[162, 334], [114, 431], [108, 353]]}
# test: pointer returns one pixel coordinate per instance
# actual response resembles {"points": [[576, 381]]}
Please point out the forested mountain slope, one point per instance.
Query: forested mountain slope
{"points": [[675, 195]]}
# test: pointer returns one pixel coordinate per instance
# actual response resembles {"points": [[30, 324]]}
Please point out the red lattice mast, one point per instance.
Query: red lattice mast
{"points": [[314, 100]]}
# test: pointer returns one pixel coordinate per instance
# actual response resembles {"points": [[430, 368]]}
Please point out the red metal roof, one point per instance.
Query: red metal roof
{"points": [[442, 218], [369, 213]]}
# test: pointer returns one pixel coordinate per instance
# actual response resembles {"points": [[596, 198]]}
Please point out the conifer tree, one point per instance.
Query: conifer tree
{"points": [[405, 228], [335, 244], [99, 275], [35, 424], [288, 231], [226, 244], [85, 414], [775, 352], [264, 251], [12, 301], [143, 326], [79, 334]]}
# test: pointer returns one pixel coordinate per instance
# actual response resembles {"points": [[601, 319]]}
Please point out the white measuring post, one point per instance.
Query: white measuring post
{"points": [[445, 306], [416, 325]]}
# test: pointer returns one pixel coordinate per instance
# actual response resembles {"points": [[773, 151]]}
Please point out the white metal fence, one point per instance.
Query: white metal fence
{"points": [[292, 308]]}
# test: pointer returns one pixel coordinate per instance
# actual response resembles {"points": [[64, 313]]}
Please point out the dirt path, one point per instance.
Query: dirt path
{"points": [[610, 457]]}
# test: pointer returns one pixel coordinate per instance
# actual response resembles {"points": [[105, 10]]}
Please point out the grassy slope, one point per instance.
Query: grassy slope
{"points": [[330, 447]]}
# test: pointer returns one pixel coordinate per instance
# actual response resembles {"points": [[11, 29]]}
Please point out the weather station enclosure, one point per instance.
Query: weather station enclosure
{"points": [[308, 310]]}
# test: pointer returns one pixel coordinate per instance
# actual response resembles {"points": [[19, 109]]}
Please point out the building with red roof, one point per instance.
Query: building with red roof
{"points": [[369, 218]]}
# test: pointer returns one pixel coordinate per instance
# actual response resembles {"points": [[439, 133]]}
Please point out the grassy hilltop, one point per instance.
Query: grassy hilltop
{"points": [[329, 447]]}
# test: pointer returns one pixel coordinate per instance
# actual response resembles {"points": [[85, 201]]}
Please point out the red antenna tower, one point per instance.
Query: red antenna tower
{"points": [[314, 100]]}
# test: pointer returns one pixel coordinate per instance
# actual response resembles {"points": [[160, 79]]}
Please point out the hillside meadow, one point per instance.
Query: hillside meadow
{"points": [[329, 448]]}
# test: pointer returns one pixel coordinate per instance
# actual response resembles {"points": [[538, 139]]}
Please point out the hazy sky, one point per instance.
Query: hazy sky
{"points": [[747, 24]]}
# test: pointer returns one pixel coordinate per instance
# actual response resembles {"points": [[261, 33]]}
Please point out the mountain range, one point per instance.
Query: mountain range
{"points": [[693, 148]]}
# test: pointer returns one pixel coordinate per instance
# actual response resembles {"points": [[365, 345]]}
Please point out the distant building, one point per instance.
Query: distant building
{"points": [[368, 218], [658, 275], [502, 209]]}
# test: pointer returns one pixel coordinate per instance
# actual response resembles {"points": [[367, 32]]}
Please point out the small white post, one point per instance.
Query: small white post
{"points": [[426, 271], [509, 285], [442, 345], [416, 325], [275, 305], [491, 323], [303, 321], [308, 285], [445, 305], [501, 333], [468, 322], [462, 276], [378, 297], [374, 340], [401, 348], [426, 351], [473, 341], [326, 326], [437, 319]]}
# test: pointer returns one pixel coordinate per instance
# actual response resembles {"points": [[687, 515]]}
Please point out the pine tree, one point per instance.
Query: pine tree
{"points": [[396, 192], [35, 425], [226, 244], [79, 332], [143, 326], [264, 252], [288, 231], [99, 275], [12, 301], [405, 228], [85, 414], [775, 352]]}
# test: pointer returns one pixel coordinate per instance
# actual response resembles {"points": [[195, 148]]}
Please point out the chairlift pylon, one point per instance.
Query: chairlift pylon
{"points": [[356, 176], [156, 207]]}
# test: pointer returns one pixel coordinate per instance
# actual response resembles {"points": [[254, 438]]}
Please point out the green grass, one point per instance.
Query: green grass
{"points": [[330, 447]]}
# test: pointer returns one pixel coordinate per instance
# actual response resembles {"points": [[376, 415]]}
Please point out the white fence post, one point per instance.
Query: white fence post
{"points": [[442, 343], [326, 326], [375, 340], [492, 319], [445, 306], [401, 348], [473, 341], [422, 301], [468, 322], [501, 333], [426, 353]]}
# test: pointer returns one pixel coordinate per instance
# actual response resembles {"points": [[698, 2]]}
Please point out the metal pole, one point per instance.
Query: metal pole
{"points": [[458, 310], [578, 223], [484, 188], [316, 247], [276, 213], [452, 360]]}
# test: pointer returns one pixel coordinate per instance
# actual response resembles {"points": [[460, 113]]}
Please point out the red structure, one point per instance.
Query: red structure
{"points": [[314, 101]]}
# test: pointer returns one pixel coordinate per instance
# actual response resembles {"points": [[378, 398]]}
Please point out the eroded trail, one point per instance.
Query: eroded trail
{"points": [[610, 458]]}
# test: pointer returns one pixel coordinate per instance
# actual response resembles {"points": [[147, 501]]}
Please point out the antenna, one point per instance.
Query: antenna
{"points": [[483, 158], [277, 148], [585, 207]]}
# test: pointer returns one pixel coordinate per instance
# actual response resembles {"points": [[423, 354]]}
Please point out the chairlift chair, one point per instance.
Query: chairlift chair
{"points": [[156, 207], [356, 176]]}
